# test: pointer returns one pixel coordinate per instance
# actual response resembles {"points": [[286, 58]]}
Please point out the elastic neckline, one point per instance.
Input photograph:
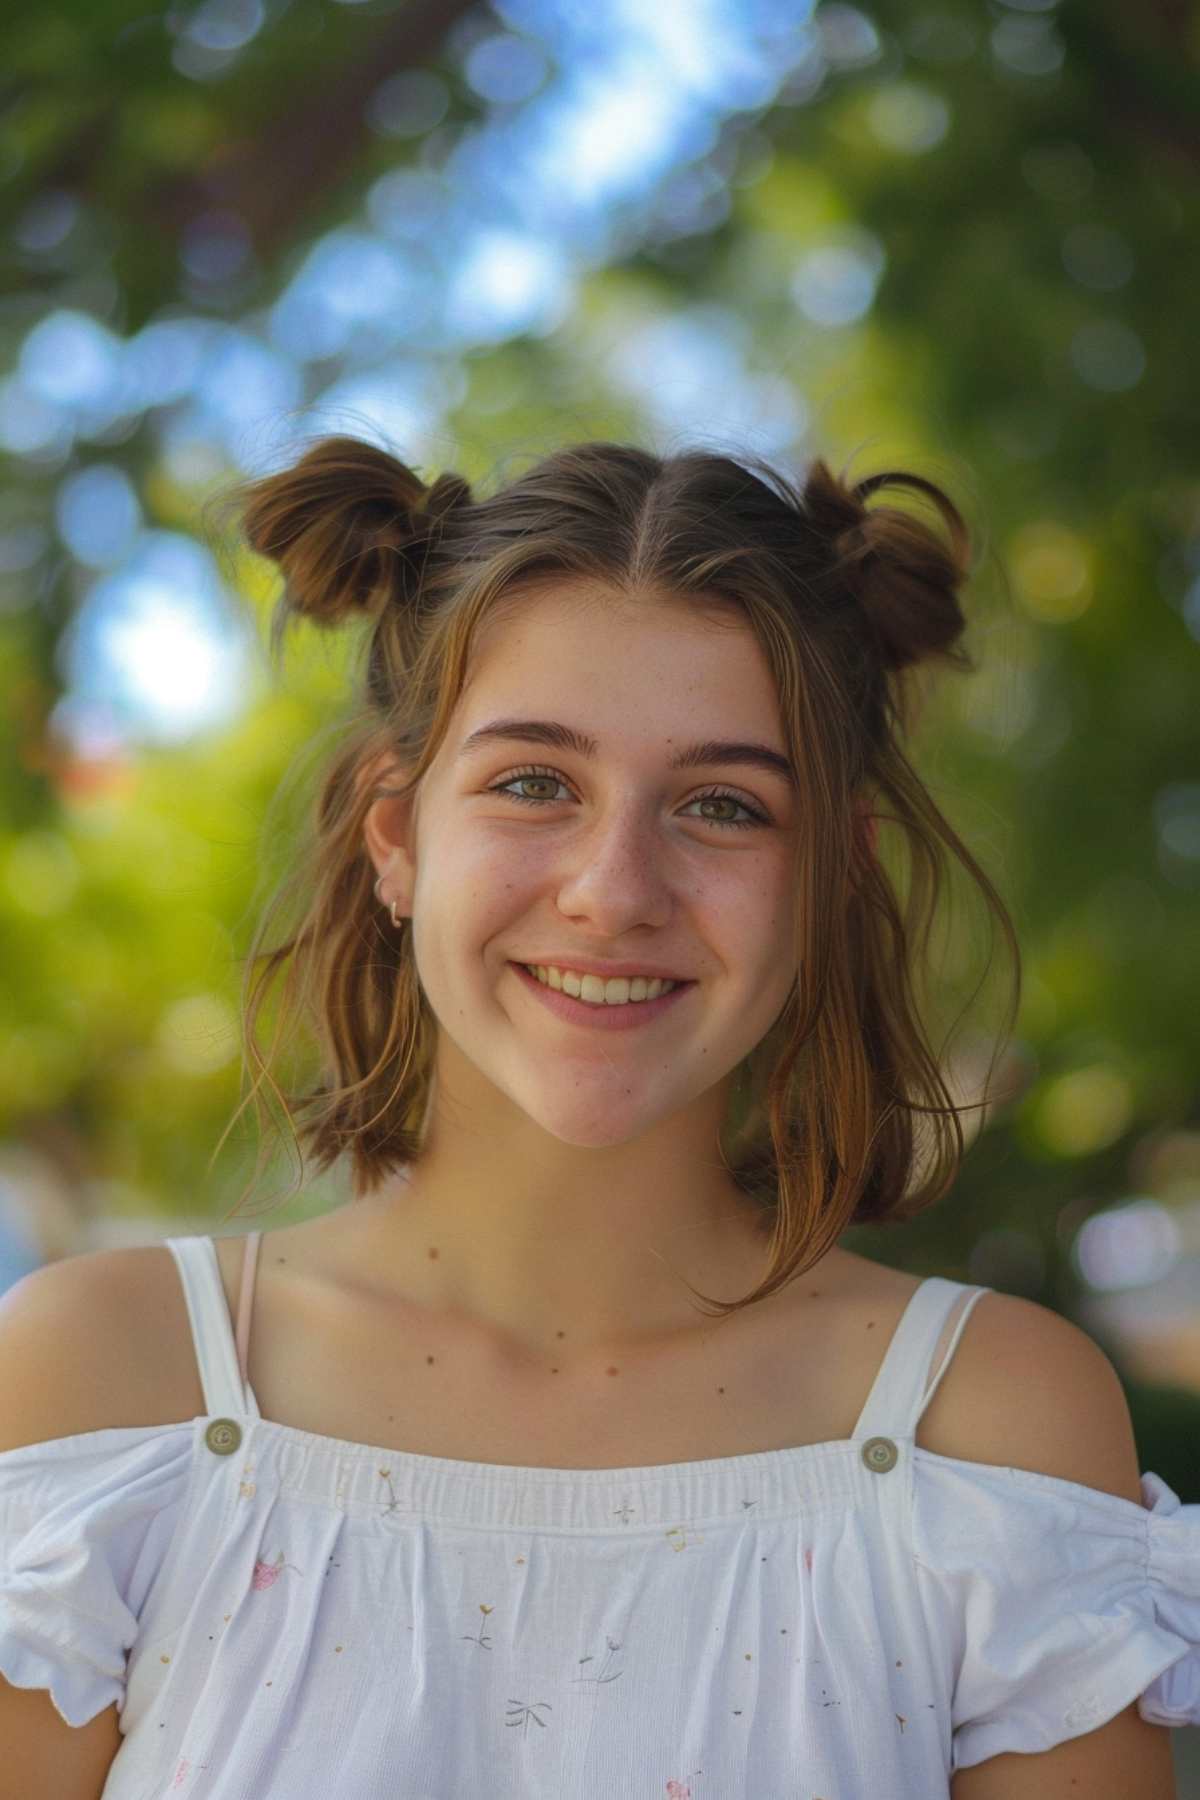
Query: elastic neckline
{"points": [[348, 1448], [407, 1488], [398, 1490]]}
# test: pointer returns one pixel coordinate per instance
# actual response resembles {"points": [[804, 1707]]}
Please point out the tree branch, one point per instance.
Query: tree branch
{"points": [[275, 179]]}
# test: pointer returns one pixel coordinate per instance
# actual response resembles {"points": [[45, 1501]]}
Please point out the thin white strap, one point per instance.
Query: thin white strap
{"points": [[902, 1388], [945, 1353], [225, 1394], [246, 1301]]}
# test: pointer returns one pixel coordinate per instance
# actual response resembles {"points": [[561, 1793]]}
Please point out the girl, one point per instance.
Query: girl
{"points": [[576, 1457]]}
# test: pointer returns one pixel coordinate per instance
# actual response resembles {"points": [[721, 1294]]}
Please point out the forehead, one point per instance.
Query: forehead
{"points": [[666, 663]]}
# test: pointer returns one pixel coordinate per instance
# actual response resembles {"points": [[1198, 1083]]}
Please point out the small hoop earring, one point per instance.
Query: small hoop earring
{"points": [[397, 923]]}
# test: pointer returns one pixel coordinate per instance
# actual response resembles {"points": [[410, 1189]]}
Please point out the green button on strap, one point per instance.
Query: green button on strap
{"points": [[224, 1435]]}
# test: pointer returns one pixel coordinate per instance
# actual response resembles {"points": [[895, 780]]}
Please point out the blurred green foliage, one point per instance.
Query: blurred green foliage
{"points": [[1166, 1423]]}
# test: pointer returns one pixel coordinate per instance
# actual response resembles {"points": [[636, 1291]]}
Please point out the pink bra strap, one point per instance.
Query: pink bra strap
{"points": [[246, 1299]]}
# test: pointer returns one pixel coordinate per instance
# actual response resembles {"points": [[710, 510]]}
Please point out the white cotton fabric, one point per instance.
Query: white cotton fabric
{"points": [[310, 1619]]}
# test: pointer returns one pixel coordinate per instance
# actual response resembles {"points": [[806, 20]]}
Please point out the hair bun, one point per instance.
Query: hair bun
{"points": [[902, 572], [448, 492], [348, 525]]}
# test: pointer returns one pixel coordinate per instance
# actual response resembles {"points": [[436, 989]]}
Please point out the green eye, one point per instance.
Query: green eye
{"points": [[519, 780], [754, 817], [551, 776]]}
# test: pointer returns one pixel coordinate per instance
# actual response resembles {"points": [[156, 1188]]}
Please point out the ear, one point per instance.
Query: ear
{"points": [[388, 830]]}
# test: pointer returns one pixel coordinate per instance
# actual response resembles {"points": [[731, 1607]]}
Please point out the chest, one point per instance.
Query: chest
{"points": [[370, 1374]]}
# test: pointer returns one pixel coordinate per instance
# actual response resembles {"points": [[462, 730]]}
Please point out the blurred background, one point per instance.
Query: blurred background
{"points": [[957, 237]]}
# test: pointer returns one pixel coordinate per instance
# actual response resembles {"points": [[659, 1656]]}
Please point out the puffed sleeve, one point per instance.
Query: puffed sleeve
{"points": [[1174, 1698], [1053, 1606], [85, 1523]]}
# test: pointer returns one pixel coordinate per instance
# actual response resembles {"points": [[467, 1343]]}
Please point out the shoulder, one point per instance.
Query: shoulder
{"points": [[1028, 1389], [93, 1341]]}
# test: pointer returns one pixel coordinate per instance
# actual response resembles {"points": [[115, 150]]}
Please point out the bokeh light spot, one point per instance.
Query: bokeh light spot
{"points": [[506, 69], [908, 118], [215, 247], [198, 1035], [1127, 1246], [1177, 818], [835, 282], [70, 359], [408, 104], [158, 642], [47, 221], [508, 282], [848, 38], [1083, 1111], [1051, 568], [98, 515], [1097, 257], [1108, 356], [1027, 46], [31, 425], [224, 25]]}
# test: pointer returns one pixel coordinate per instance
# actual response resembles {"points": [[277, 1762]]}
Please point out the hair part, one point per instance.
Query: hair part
{"points": [[845, 599]]}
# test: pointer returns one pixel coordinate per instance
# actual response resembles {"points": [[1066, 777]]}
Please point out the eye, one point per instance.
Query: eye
{"points": [[546, 777], [550, 778], [721, 796]]}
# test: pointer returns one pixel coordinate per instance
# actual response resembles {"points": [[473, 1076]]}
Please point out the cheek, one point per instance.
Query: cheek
{"points": [[471, 887], [770, 961], [755, 908]]}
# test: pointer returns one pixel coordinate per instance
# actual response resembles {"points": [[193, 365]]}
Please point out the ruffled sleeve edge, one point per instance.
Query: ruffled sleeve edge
{"points": [[39, 1653], [1173, 1563], [79, 1694], [1139, 1661]]}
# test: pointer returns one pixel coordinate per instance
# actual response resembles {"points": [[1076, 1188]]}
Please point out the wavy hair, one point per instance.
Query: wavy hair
{"points": [[846, 599]]}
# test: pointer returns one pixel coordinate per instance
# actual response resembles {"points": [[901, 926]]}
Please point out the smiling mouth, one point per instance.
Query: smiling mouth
{"points": [[596, 990]]}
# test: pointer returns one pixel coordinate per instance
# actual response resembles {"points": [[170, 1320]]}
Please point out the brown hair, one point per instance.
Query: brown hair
{"points": [[846, 601]]}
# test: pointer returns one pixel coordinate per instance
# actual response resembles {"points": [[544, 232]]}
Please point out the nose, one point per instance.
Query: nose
{"points": [[613, 875]]}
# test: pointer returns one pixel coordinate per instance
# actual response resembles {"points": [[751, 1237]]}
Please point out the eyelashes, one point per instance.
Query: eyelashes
{"points": [[506, 785]]}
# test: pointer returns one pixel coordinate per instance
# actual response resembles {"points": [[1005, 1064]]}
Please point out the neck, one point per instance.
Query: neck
{"points": [[543, 1244]]}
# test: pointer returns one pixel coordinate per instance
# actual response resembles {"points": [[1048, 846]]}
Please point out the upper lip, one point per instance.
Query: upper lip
{"points": [[586, 965]]}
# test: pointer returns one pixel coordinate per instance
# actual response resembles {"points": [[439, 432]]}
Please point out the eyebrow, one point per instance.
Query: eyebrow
{"points": [[564, 737]]}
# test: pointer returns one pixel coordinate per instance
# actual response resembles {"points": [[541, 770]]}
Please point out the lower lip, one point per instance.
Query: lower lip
{"points": [[602, 1018]]}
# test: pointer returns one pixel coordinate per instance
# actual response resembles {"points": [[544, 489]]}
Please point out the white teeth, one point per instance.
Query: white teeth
{"points": [[618, 990]]}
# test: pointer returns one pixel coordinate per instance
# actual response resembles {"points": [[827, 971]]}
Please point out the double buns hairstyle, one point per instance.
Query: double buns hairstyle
{"points": [[350, 525], [846, 1112]]}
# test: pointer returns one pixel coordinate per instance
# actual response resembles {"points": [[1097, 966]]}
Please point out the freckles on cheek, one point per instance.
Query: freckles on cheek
{"points": [[484, 897]]}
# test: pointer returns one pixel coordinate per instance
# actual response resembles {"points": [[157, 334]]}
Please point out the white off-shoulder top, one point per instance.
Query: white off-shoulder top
{"points": [[286, 1616]]}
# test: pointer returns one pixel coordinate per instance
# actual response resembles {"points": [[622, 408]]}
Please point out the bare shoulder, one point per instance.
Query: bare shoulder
{"points": [[1028, 1389], [867, 1296], [96, 1341]]}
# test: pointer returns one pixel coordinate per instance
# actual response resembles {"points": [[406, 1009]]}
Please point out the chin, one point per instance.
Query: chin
{"points": [[592, 1127]]}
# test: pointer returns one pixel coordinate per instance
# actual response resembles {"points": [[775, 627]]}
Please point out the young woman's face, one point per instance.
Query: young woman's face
{"points": [[529, 853]]}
